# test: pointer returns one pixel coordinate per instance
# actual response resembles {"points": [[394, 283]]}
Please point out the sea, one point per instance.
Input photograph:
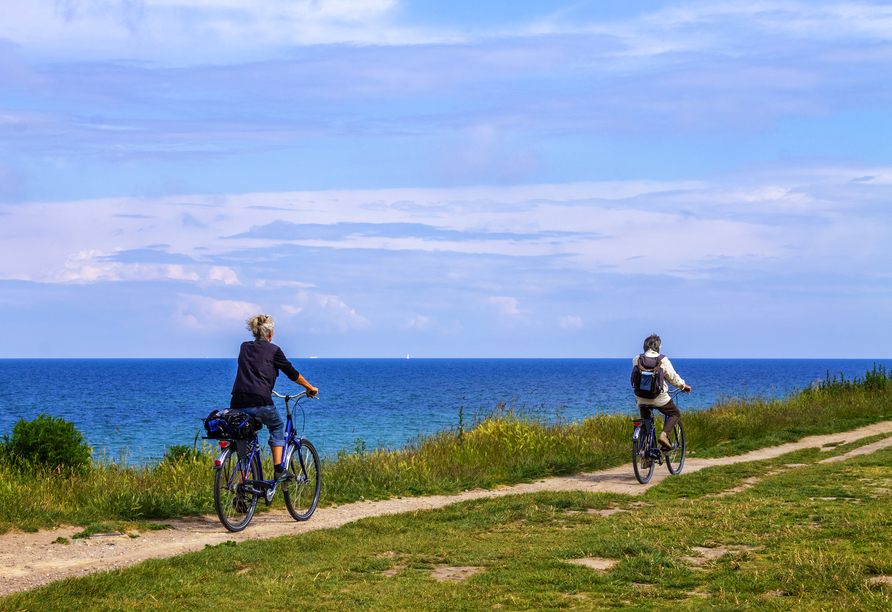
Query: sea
{"points": [[131, 410]]}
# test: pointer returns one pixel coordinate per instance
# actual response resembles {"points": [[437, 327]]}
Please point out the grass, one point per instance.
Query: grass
{"points": [[806, 538], [509, 444]]}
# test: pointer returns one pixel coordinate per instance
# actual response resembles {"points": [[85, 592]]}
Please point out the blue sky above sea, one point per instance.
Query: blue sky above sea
{"points": [[490, 179]]}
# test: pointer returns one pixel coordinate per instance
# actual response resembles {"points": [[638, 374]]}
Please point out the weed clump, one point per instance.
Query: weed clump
{"points": [[182, 452], [46, 442]]}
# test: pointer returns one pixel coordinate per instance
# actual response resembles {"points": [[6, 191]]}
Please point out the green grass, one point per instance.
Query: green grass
{"points": [[808, 538], [507, 445]]}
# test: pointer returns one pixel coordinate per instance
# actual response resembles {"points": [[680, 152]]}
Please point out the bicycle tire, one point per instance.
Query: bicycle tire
{"points": [[302, 493], [675, 457], [640, 452], [235, 509]]}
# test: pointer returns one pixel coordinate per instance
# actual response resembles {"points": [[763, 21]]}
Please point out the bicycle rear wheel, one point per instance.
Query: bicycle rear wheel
{"points": [[641, 459], [235, 508], [675, 457], [302, 492]]}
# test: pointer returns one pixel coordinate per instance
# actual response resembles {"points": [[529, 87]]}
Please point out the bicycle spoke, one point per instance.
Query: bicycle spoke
{"points": [[675, 457], [235, 508], [302, 493]]}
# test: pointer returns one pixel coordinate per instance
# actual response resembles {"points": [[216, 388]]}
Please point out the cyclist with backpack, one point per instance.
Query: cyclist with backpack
{"points": [[650, 373], [259, 363]]}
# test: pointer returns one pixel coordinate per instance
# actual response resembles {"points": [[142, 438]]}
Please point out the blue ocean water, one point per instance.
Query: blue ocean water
{"points": [[135, 408]]}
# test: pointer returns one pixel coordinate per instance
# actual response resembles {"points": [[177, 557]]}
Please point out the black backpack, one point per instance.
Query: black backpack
{"points": [[231, 424], [647, 377]]}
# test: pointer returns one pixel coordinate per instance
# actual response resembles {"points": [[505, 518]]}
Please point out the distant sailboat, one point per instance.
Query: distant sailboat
{"points": [[407, 356]]}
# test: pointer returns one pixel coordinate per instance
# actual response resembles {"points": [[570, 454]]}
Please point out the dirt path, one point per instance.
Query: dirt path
{"points": [[28, 560]]}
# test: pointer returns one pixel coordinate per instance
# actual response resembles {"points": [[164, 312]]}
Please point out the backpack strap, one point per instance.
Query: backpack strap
{"points": [[658, 361]]}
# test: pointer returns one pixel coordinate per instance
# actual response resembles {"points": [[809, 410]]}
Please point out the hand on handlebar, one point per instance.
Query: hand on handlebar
{"points": [[312, 391], [687, 389]]}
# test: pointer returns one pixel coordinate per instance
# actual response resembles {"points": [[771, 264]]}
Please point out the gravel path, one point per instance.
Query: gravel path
{"points": [[28, 560]]}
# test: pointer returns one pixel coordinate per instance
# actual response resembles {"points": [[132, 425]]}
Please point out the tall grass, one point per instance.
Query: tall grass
{"points": [[507, 444], [741, 423], [31, 496], [510, 443]]}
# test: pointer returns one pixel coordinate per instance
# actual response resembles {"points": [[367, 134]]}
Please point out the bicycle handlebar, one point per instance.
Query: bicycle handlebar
{"points": [[300, 395]]}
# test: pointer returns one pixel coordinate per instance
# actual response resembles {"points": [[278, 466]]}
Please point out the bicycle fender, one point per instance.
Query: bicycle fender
{"points": [[637, 431], [289, 453], [221, 458]]}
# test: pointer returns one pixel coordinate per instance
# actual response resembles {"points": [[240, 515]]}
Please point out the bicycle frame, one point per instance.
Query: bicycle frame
{"points": [[248, 449], [654, 452], [648, 451]]}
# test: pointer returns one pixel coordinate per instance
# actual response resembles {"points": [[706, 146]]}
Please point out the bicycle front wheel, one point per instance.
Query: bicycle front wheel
{"points": [[302, 492], [675, 457], [235, 508], [641, 459]]}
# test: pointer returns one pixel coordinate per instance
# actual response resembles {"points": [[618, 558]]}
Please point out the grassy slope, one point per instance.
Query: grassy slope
{"points": [[815, 535], [506, 446]]}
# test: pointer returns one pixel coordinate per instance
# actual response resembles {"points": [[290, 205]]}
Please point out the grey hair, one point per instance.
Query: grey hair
{"points": [[261, 326], [652, 343]]}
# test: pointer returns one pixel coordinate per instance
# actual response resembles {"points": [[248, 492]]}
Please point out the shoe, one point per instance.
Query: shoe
{"points": [[283, 474], [665, 444]]}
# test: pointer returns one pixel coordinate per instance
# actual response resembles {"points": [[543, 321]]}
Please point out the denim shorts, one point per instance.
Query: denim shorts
{"points": [[270, 417]]}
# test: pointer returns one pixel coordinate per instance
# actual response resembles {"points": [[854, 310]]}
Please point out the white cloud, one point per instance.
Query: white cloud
{"points": [[570, 322], [504, 304], [291, 310], [148, 27], [681, 229], [338, 313], [275, 284], [418, 322], [320, 312], [222, 273], [92, 266], [153, 28], [201, 312]]}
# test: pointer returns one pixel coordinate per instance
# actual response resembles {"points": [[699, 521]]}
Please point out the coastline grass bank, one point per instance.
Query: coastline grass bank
{"points": [[804, 535], [506, 445]]}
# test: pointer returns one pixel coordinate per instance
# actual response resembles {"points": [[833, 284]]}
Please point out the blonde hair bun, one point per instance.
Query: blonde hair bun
{"points": [[261, 326]]}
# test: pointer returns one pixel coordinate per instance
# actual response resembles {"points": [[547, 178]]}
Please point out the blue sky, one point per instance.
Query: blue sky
{"points": [[446, 179]]}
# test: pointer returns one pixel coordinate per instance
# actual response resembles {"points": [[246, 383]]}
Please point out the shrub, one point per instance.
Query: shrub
{"points": [[182, 452], [48, 442]]}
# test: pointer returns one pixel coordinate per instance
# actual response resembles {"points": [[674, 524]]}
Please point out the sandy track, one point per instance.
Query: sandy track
{"points": [[28, 560]]}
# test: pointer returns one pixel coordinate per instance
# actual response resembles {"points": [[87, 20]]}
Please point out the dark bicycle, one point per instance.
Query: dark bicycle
{"points": [[239, 482], [647, 452]]}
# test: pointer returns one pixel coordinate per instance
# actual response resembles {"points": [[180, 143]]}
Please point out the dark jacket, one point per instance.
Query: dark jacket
{"points": [[259, 364]]}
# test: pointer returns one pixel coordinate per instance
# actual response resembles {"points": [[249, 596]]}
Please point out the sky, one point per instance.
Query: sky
{"points": [[446, 179]]}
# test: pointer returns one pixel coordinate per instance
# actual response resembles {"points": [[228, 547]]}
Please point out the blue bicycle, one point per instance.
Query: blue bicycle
{"points": [[647, 452], [239, 482]]}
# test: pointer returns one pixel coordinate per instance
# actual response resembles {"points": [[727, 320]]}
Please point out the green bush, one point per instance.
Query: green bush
{"points": [[182, 452], [46, 441]]}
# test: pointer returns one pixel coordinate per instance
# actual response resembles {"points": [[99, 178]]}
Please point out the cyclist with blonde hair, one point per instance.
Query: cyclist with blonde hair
{"points": [[259, 364]]}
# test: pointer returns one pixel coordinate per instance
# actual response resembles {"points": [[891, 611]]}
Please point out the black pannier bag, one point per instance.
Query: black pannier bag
{"points": [[231, 425]]}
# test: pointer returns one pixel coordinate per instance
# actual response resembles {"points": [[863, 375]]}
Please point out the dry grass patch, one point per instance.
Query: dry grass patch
{"points": [[393, 571], [607, 512], [710, 554], [599, 565], [454, 574]]}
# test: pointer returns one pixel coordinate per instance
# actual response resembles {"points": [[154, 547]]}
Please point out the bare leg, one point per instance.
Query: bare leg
{"points": [[277, 455]]}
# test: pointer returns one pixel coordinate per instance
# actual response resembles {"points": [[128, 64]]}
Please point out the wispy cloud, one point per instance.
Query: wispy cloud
{"points": [[504, 304], [571, 322], [206, 313], [389, 172]]}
